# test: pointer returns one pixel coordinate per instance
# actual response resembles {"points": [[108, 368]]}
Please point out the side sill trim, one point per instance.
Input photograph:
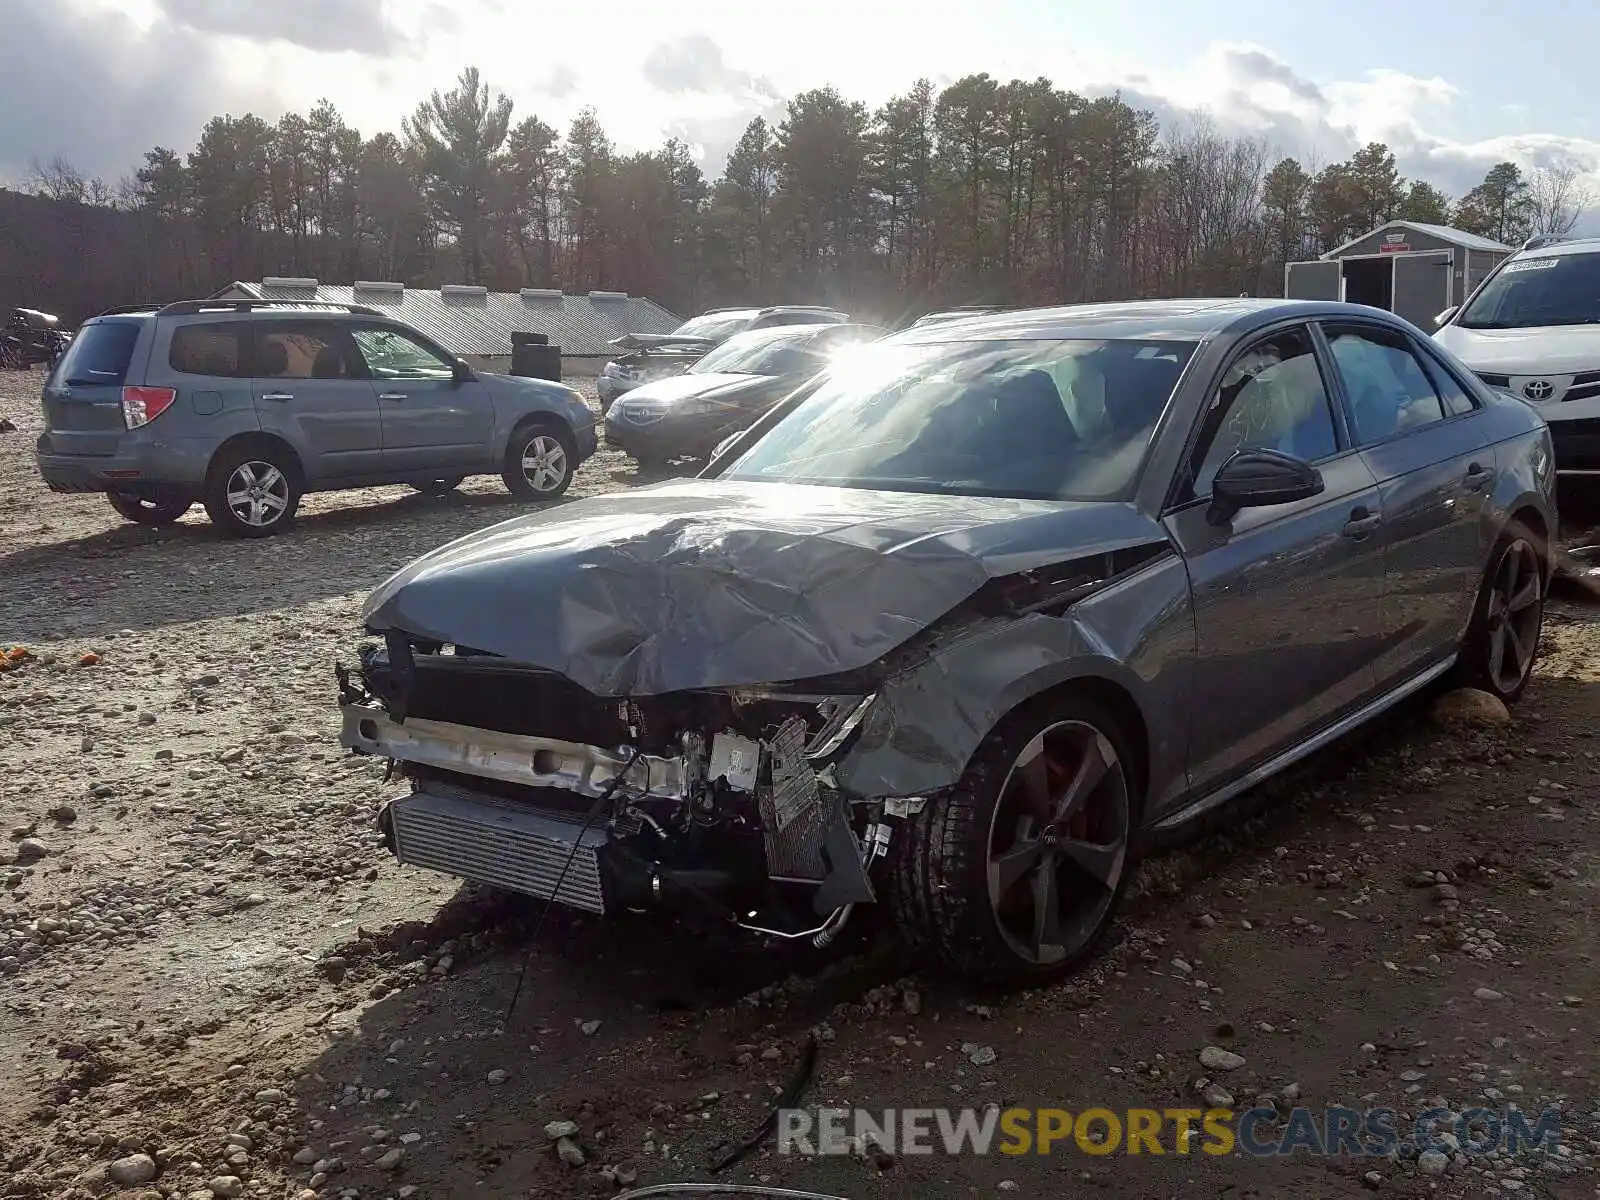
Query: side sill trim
{"points": [[1311, 745]]}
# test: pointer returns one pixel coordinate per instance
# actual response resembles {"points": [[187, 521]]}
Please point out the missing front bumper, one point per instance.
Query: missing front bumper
{"points": [[510, 757]]}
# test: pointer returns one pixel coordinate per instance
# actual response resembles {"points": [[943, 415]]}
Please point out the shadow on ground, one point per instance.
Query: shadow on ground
{"points": [[635, 1030]]}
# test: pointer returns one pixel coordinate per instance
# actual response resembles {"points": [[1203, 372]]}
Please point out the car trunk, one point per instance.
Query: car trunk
{"points": [[83, 396]]}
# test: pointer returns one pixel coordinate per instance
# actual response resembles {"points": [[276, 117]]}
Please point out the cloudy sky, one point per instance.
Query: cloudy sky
{"points": [[1451, 85]]}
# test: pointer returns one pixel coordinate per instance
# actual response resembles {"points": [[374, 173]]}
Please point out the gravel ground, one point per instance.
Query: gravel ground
{"points": [[213, 982]]}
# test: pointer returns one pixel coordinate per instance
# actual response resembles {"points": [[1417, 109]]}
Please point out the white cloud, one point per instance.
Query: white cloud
{"points": [[1249, 89], [163, 66]]}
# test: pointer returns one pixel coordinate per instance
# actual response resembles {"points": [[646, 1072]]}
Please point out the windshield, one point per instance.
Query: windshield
{"points": [[714, 326], [1049, 420], [1559, 289], [762, 352]]}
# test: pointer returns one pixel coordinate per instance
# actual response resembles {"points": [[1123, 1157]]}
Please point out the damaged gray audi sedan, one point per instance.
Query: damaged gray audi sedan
{"points": [[958, 621]]}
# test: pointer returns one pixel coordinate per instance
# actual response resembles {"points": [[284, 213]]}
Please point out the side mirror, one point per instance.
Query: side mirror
{"points": [[1440, 318], [1259, 479], [460, 372]]}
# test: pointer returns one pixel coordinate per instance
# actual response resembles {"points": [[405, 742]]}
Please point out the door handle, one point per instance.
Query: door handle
{"points": [[277, 395], [391, 395], [1362, 522], [1477, 478]]}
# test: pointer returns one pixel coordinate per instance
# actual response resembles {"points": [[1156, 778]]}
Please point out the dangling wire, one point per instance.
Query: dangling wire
{"points": [[595, 809]]}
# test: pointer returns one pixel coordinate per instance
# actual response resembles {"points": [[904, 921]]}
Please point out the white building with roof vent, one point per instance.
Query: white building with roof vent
{"points": [[477, 324]]}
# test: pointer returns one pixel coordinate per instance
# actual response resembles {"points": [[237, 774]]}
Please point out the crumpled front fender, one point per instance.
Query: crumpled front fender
{"points": [[1137, 635]]}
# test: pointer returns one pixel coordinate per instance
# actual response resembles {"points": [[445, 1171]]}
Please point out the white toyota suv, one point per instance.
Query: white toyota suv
{"points": [[1532, 328]]}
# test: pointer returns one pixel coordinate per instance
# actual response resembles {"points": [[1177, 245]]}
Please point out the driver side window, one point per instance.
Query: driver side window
{"points": [[391, 355], [1271, 398]]}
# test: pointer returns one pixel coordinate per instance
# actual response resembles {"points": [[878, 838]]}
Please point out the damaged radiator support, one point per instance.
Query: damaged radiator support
{"points": [[791, 807], [493, 835]]}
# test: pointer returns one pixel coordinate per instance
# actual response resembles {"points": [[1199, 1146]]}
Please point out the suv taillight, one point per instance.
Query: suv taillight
{"points": [[141, 405]]}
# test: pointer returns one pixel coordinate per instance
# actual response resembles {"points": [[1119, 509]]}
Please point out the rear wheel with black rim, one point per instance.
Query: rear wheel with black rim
{"points": [[1498, 652], [540, 459], [252, 492], [1016, 873], [146, 510]]}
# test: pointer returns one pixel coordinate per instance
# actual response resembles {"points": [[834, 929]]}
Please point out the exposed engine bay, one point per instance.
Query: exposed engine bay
{"points": [[720, 800]]}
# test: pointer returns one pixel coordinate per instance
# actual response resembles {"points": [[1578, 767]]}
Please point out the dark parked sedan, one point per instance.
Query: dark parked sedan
{"points": [[951, 625], [689, 414]]}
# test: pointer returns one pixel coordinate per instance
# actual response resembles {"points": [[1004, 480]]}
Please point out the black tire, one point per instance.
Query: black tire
{"points": [[1518, 564], [162, 511], [940, 859], [277, 480], [522, 482], [440, 487]]}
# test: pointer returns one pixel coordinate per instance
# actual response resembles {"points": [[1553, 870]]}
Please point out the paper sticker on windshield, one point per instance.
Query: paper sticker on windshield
{"points": [[1532, 264]]}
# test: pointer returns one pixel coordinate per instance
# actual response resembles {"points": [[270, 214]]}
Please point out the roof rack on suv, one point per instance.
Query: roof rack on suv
{"points": [[182, 308], [1540, 240], [120, 309], [727, 308], [772, 308]]}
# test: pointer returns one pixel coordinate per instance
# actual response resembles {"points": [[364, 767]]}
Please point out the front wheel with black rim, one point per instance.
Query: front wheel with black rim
{"points": [[1503, 638], [252, 493], [1015, 874], [146, 510], [540, 459]]}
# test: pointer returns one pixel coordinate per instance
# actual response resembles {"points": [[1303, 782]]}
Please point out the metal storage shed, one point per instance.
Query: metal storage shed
{"points": [[477, 324], [1411, 269]]}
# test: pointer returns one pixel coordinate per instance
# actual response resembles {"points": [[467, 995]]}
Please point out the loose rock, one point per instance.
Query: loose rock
{"points": [[979, 1056], [390, 1160], [1468, 708], [570, 1153], [132, 1171], [1433, 1162], [1215, 1058]]}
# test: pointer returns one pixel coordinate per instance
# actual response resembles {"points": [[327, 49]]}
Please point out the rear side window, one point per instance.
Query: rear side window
{"points": [[1457, 402], [1388, 390], [305, 350], [100, 354], [212, 348]]}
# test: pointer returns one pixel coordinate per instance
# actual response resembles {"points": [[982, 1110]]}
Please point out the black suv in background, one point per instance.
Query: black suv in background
{"points": [[649, 357]]}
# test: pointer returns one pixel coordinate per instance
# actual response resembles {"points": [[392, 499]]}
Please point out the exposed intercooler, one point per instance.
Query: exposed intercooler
{"points": [[500, 844]]}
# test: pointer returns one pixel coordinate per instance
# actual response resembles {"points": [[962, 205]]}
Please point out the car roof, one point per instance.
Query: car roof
{"points": [[1578, 245], [236, 310], [1188, 320], [779, 333]]}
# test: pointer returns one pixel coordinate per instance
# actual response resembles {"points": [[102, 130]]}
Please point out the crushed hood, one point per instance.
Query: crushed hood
{"points": [[706, 583]]}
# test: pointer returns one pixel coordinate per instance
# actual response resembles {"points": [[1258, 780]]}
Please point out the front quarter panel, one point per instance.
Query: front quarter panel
{"points": [[1136, 635], [516, 399], [1525, 478]]}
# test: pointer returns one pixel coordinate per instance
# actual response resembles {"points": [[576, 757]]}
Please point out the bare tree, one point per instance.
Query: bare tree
{"points": [[57, 179], [1557, 196], [99, 193]]}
